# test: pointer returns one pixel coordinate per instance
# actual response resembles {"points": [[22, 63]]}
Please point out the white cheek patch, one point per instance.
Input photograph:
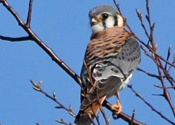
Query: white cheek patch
{"points": [[109, 22], [97, 28], [120, 20]]}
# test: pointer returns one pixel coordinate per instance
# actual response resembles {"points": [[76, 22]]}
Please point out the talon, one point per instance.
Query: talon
{"points": [[117, 108]]}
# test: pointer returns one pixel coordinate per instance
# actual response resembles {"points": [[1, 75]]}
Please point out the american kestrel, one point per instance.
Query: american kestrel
{"points": [[110, 59]]}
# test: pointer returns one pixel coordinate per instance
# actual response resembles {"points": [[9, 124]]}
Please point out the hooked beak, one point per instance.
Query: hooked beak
{"points": [[94, 20]]}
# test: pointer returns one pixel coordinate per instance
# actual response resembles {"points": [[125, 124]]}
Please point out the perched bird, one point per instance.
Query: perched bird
{"points": [[110, 59]]}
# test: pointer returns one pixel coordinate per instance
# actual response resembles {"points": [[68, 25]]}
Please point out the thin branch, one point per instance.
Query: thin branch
{"points": [[160, 87], [173, 62], [37, 87], [36, 39], [49, 51], [143, 43], [139, 14], [15, 39], [115, 3], [160, 67], [122, 115], [149, 105], [104, 115], [133, 115], [62, 121], [29, 13], [148, 16], [149, 74], [168, 56], [166, 94], [156, 54], [168, 76], [97, 119], [12, 11]]}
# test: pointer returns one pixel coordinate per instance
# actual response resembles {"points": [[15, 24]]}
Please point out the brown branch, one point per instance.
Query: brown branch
{"points": [[173, 62], [168, 76], [160, 87], [139, 14], [29, 13], [142, 42], [37, 40], [153, 48], [161, 69], [166, 94], [156, 54], [104, 115], [149, 105], [133, 115], [168, 56], [15, 39], [49, 51], [37, 87], [12, 11], [62, 121], [149, 74], [157, 59], [148, 16], [122, 115]]}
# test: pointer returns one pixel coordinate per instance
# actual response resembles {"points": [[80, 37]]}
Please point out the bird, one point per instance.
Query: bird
{"points": [[111, 56]]}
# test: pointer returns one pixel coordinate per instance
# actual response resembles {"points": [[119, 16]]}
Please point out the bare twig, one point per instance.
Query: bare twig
{"points": [[62, 121], [150, 46], [149, 74], [160, 87], [156, 57], [148, 16], [29, 13], [49, 51], [15, 39], [149, 105], [104, 115], [37, 87], [166, 94], [122, 115], [173, 62], [36, 39], [156, 54], [168, 56], [144, 27], [133, 115], [139, 14]]}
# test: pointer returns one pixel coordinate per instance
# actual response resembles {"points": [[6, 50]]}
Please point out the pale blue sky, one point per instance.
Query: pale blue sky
{"points": [[64, 26]]}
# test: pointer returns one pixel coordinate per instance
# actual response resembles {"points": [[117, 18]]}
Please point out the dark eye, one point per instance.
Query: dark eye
{"points": [[105, 16]]}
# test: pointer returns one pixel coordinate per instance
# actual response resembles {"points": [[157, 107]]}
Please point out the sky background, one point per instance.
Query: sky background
{"points": [[64, 26]]}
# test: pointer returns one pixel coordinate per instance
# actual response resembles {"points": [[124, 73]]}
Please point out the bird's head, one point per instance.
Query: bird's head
{"points": [[102, 17]]}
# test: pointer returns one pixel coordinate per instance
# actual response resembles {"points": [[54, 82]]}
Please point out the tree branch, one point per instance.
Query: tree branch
{"points": [[149, 105], [15, 39], [157, 58], [37, 87], [49, 51], [29, 13], [37, 40], [122, 115]]}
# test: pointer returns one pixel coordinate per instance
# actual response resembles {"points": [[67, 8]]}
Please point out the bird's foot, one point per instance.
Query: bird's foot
{"points": [[117, 108]]}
